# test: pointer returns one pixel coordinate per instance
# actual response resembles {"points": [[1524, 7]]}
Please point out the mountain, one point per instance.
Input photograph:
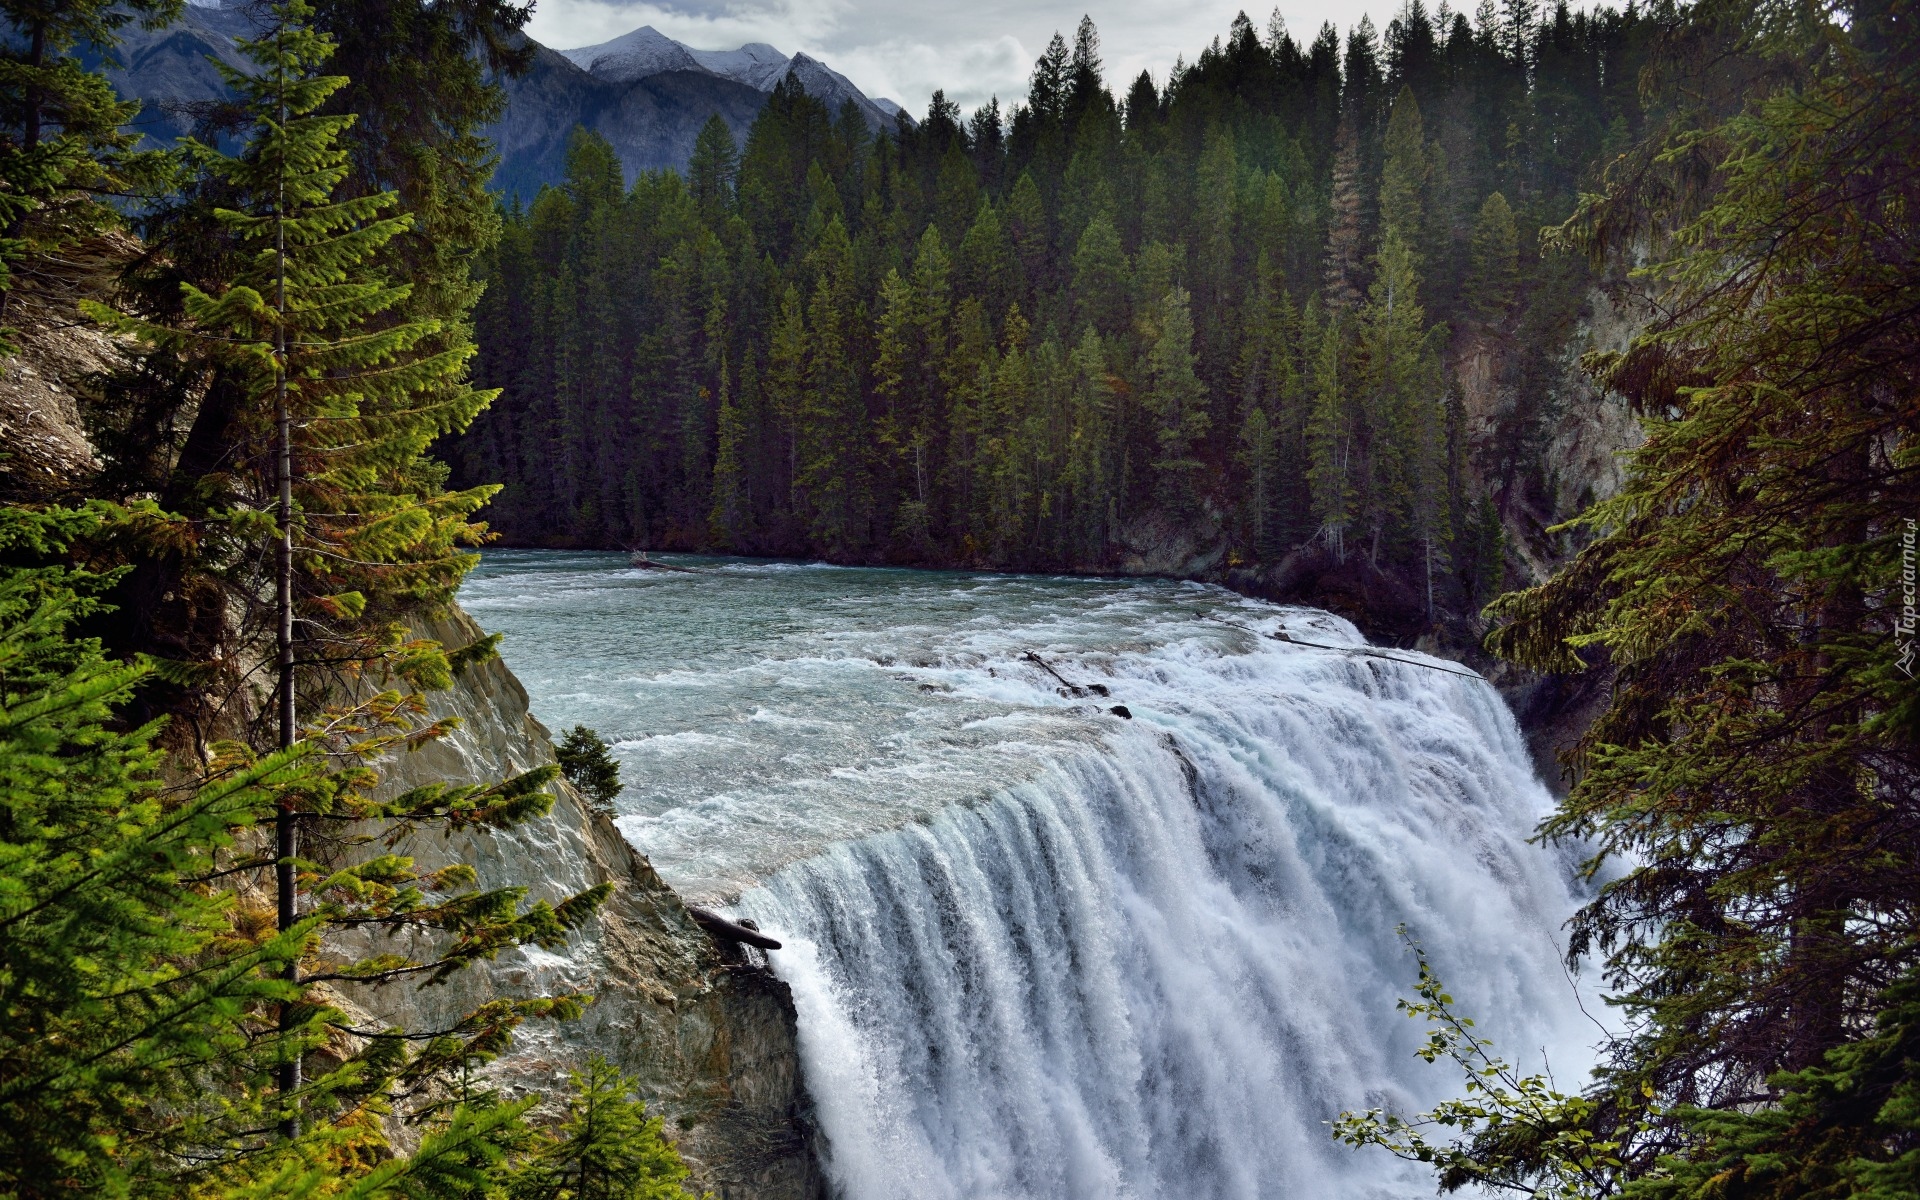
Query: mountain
{"points": [[644, 92], [646, 53], [172, 69]]}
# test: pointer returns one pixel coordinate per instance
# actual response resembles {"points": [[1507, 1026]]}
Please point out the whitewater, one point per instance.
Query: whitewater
{"points": [[1040, 950]]}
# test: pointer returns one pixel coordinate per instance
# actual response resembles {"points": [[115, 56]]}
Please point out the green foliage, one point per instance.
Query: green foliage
{"points": [[374, 533], [1748, 794], [1494, 262], [1509, 1131], [149, 997], [588, 763], [122, 985], [606, 1148], [64, 149]]}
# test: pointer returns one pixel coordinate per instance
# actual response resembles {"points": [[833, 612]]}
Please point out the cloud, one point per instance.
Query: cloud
{"points": [[565, 24], [910, 72]]}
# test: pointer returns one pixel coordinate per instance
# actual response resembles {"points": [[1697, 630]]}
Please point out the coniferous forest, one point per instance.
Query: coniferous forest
{"points": [[1008, 338], [1251, 298]]}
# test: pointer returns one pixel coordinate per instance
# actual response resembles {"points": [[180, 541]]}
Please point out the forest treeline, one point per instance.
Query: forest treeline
{"points": [[999, 338]]}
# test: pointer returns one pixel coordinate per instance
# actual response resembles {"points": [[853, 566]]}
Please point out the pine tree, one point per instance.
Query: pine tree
{"points": [[831, 439], [588, 763], [606, 1148], [730, 520], [1217, 186], [1090, 474], [1100, 274], [1027, 226], [786, 382], [1257, 452], [1403, 178], [912, 370], [1494, 261], [1344, 251], [986, 266], [1330, 438], [138, 980], [1754, 771], [330, 418], [1403, 410], [1178, 402], [712, 169]]}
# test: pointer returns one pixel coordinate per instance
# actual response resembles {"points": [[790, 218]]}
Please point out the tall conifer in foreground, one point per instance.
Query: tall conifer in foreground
{"points": [[338, 421]]}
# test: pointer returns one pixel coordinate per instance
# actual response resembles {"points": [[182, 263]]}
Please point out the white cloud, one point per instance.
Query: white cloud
{"points": [[906, 50], [910, 72]]}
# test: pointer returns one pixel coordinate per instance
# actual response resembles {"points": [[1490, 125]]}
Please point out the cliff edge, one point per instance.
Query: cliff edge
{"points": [[712, 1042]]}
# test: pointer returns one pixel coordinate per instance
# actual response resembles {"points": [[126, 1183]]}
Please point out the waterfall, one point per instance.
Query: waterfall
{"points": [[1161, 964], [1039, 951]]}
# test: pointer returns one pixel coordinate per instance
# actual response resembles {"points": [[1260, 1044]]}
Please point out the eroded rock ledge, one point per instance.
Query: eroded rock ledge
{"points": [[713, 1042]]}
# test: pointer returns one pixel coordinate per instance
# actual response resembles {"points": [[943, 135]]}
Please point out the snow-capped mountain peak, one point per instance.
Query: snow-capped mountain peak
{"points": [[646, 52]]}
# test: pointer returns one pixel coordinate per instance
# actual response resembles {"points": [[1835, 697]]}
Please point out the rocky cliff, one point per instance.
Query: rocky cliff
{"points": [[712, 1041]]}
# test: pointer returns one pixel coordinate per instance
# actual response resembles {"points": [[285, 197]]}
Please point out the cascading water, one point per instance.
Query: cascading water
{"points": [[1039, 950]]}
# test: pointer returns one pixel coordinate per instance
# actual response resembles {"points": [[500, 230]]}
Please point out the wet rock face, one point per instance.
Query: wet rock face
{"points": [[712, 1042], [44, 450]]}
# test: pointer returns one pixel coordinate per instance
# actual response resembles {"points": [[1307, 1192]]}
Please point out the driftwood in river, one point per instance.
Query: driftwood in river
{"points": [[723, 930], [639, 559], [1071, 689]]}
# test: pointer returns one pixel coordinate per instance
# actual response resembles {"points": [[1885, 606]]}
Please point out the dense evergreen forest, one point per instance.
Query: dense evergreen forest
{"points": [[1001, 339]]}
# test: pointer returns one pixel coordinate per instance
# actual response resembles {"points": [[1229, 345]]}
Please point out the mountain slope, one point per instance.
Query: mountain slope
{"points": [[651, 121]]}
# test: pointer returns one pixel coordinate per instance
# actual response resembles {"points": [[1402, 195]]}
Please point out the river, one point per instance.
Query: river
{"points": [[1040, 950]]}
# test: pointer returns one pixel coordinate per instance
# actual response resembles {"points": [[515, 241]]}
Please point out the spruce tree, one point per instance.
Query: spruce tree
{"points": [[1177, 400], [712, 169], [1330, 438], [1403, 409], [1344, 250], [1403, 177], [1494, 261], [139, 971], [1754, 772], [833, 460], [730, 520], [338, 421], [985, 265], [606, 1147], [1100, 277], [588, 763]]}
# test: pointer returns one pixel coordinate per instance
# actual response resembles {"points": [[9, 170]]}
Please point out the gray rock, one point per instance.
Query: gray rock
{"points": [[712, 1041]]}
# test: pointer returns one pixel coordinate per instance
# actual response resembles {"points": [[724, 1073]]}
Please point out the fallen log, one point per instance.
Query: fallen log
{"points": [[1071, 689], [1281, 635], [722, 930], [642, 561]]}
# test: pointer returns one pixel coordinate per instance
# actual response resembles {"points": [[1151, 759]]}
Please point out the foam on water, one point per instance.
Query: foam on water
{"points": [[1037, 950]]}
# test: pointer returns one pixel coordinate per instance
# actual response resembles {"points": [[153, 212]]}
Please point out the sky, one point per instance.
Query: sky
{"points": [[974, 49]]}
